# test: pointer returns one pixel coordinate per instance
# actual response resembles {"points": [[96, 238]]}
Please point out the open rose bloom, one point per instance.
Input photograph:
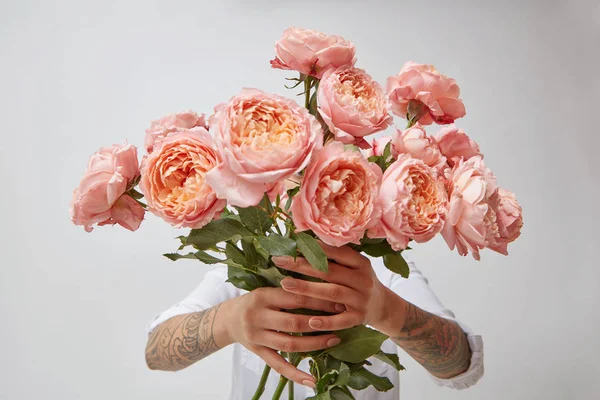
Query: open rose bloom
{"points": [[269, 176], [352, 105], [433, 95], [100, 197], [263, 139]]}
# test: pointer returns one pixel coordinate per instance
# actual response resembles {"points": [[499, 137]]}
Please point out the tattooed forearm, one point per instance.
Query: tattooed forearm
{"points": [[182, 340], [438, 344]]}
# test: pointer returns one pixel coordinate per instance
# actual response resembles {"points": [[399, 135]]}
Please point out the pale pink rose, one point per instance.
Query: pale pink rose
{"points": [[100, 197], [413, 203], [504, 220], [352, 105], [377, 146], [170, 123], [338, 196], [414, 141], [455, 144], [312, 52], [174, 179], [262, 139], [470, 185], [423, 86]]}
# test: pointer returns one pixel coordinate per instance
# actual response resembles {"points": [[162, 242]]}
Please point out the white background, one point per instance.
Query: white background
{"points": [[78, 75]]}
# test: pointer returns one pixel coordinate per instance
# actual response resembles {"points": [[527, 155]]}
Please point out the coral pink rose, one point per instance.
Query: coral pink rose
{"points": [[455, 144], [470, 185], [352, 105], [423, 90], [100, 197], [414, 141], [312, 52], [504, 220], [174, 179], [338, 196], [263, 139], [413, 203], [173, 122], [377, 146]]}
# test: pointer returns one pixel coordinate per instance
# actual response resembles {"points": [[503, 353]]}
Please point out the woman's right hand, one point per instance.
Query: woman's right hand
{"points": [[256, 321]]}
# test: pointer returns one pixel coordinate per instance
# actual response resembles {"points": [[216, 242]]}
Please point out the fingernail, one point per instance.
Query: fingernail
{"points": [[340, 307], [310, 384], [288, 283], [315, 323], [334, 342], [280, 260]]}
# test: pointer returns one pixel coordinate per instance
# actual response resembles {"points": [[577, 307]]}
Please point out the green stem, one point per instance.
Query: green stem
{"points": [[291, 390], [261, 385], [307, 92]]}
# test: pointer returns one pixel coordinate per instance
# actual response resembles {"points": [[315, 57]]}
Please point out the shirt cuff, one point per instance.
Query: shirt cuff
{"points": [[475, 371]]}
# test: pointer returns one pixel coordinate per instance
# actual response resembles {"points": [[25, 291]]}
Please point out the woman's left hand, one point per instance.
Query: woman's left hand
{"points": [[350, 280]]}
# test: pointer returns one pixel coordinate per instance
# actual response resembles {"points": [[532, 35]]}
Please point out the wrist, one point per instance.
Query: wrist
{"points": [[224, 323], [393, 314]]}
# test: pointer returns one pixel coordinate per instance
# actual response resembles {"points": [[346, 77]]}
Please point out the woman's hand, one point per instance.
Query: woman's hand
{"points": [[257, 322], [350, 281]]}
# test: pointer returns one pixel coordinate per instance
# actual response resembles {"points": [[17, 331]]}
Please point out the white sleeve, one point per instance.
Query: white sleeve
{"points": [[416, 290], [211, 291]]}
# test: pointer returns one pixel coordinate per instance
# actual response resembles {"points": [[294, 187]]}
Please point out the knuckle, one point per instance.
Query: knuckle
{"points": [[334, 293], [300, 299], [292, 324], [289, 346], [251, 335]]}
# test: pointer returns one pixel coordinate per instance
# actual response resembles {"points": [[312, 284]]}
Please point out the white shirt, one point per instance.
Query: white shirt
{"points": [[247, 367]]}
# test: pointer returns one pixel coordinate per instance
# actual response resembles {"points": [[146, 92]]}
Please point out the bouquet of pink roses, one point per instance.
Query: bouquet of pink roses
{"points": [[264, 176]]}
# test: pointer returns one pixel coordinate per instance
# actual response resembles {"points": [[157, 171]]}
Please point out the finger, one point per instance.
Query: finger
{"points": [[345, 256], [285, 322], [294, 344], [336, 273], [277, 299], [282, 367], [335, 322], [323, 290]]}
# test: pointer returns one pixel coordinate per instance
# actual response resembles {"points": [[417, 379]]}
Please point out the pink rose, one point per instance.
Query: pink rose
{"points": [[470, 185], [414, 141], [377, 146], [100, 197], [263, 139], [312, 52], [455, 144], [413, 203], [174, 179], [338, 196], [504, 220], [173, 122], [352, 105], [421, 87]]}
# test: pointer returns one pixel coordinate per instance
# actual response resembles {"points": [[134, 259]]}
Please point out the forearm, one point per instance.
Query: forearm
{"points": [[184, 339], [438, 344]]}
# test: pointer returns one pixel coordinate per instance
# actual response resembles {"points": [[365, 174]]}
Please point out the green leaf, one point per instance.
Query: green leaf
{"points": [[177, 256], [277, 245], [259, 249], [272, 276], [327, 379], [396, 263], [206, 258], [387, 151], [243, 279], [361, 378], [377, 249], [358, 344], [390, 359], [339, 394], [343, 376], [266, 204], [255, 218], [216, 231], [311, 250], [291, 193], [252, 256], [235, 254], [182, 239]]}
